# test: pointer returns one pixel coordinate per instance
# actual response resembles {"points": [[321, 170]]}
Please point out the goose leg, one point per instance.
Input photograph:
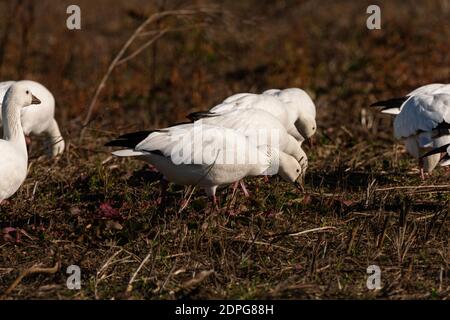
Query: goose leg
{"points": [[28, 143], [422, 173], [244, 189], [211, 193], [235, 186], [215, 202], [163, 195]]}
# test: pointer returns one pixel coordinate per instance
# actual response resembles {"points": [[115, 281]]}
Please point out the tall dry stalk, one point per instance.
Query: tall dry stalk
{"points": [[120, 58]]}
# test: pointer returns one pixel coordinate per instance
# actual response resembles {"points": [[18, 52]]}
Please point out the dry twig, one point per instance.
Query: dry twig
{"points": [[137, 33], [35, 269]]}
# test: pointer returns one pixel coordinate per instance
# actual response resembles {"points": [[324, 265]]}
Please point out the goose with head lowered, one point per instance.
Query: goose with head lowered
{"points": [[206, 156], [301, 110], [421, 120], [262, 128], [292, 107], [13, 149], [424, 124], [394, 105], [245, 101]]}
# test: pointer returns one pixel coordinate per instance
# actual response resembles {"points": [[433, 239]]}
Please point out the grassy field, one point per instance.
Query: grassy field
{"points": [[364, 202]]}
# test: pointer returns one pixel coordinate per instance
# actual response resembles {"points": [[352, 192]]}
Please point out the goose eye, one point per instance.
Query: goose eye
{"points": [[28, 92], [298, 170]]}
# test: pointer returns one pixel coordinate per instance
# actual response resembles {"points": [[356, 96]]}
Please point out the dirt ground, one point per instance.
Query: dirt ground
{"points": [[364, 202]]}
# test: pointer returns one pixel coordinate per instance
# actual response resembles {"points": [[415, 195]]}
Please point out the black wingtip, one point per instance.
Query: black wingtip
{"points": [[443, 126], [181, 123], [435, 151], [194, 116], [129, 140], [393, 103], [137, 135]]}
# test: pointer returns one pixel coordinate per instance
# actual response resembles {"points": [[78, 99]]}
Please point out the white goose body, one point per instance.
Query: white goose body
{"points": [[13, 169], [433, 88], [409, 126], [39, 119], [206, 156], [262, 128], [395, 105], [13, 150], [292, 107], [245, 101], [424, 124]]}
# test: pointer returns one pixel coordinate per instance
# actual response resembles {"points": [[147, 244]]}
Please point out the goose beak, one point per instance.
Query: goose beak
{"points": [[35, 100], [310, 142]]}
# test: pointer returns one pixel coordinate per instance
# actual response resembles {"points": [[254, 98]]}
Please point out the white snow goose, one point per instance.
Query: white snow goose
{"points": [[205, 156], [301, 109], [262, 128], [39, 119], [245, 101], [424, 124], [394, 105], [13, 149]]}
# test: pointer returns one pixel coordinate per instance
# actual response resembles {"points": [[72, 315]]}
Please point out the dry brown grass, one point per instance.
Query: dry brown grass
{"points": [[281, 243]]}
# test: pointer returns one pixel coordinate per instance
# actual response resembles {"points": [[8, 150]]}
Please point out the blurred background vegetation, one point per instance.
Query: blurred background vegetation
{"points": [[322, 46], [230, 46]]}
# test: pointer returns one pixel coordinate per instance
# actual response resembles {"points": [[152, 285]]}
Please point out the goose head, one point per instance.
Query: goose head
{"points": [[302, 108], [306, 125], [20, 95], [290, 169], [283, 164]]}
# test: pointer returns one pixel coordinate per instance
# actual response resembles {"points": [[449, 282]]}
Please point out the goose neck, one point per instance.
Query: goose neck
{"points": [[12, 126]]}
